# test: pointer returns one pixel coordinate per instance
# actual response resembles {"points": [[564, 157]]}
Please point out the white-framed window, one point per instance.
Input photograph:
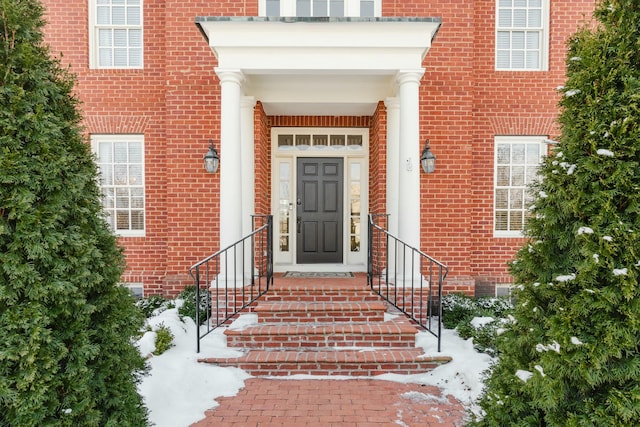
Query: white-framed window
{"points": [[320, 8], [136, 289], [522, 35], [517, 160], [115, 34], [120, 159]]}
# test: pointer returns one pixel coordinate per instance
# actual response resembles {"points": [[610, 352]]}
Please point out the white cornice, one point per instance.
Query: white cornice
{"points": [[302, 52]]}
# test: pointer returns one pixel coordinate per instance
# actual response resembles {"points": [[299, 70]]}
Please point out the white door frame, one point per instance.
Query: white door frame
{"points": [[284, 155]]}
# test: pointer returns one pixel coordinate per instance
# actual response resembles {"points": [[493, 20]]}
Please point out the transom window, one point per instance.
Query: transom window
{"points": [[522, 28], [517, 160], [121, 162], [320, 8], [116, 33]]}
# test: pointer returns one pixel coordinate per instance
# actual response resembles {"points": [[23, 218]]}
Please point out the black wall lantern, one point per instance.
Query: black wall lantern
{"points": [[427, 159], [211, 159]]}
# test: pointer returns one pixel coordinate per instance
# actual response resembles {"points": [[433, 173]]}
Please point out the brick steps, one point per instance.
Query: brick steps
{"points": [[346, 362], [304, 336], [296, 311], [330, 327], [302, 292]]}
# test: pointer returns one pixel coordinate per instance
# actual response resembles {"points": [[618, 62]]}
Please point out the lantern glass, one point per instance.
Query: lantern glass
{"points": [[211, 159], [428, 160]]}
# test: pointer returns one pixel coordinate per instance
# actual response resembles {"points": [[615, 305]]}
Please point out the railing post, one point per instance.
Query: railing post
{"points": [[403, 281], [253, 251], [269, 251], [370, 251], [197, 280]]}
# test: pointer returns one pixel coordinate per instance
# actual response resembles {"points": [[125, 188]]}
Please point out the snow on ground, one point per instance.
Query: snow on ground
{"points": [[178, 389]]}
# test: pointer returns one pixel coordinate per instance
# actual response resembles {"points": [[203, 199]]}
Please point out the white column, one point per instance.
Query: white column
{"points": [[247, 103], [409, 153], [230, 157], [409, 170], [393, 162]]}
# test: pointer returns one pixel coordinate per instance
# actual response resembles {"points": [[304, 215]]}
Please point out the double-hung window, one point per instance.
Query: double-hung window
{"points": [[517, 160], [121, 162], [320, 8], [115, 28], [522, 35]]}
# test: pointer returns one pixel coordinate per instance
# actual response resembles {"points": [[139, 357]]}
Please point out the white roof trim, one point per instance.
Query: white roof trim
{"points": [[277, 52]]}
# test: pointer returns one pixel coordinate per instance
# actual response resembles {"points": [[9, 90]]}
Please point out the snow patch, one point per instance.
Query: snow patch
{"points": [[607, 238], [585, 230], [572, 92], [596, 257], [417, 397], [539, 369], [620, 271], [566, 278], [478, 322], [543, 194], [524, 375], [147, 344], [553, 346], [576, 341], [604, 151]]}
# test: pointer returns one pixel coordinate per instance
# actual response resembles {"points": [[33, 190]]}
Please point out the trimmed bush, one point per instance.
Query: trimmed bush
{"points": [[164, 339], [153, 304], [188, 307]]}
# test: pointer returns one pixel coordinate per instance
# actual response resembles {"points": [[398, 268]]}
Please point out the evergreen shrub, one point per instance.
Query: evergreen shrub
{"points": [[571, 357], [153, 305], [188, 307], [66, 325], [164, 339]]}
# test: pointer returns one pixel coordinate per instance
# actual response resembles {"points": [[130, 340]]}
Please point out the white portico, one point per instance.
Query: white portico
{"points": [[320, 67]]}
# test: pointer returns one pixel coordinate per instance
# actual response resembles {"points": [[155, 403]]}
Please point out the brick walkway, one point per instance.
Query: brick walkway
{"points": [[344, 403]]}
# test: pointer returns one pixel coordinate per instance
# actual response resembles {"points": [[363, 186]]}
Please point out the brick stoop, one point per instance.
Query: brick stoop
{"points": [[335, 327]]}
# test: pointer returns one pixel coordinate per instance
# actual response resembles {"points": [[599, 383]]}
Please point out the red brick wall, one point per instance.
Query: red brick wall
{"points": [[263, 161], [175, 102], [465, 103], [502, 106], [378, 161]]}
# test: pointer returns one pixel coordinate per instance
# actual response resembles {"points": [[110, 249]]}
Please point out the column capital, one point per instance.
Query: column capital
{"points": [[409, 76], [392, 102], [229, 75], [247, 102]]}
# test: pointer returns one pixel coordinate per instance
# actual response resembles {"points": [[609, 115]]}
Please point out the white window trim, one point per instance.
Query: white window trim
{"points": [[95, 140], [133, 287], [94, 56], [351, 8], [528, 139], [544, 43]]}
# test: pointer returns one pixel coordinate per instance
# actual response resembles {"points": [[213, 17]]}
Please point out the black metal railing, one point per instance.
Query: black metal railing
{"points": [[406, 277], [234, 277]]}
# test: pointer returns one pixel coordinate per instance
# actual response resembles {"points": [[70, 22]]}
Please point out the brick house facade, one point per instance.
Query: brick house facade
{"points": [[482, 82]]}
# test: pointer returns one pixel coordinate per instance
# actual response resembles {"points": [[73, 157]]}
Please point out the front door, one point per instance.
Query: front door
{"points": [[319, 213]]}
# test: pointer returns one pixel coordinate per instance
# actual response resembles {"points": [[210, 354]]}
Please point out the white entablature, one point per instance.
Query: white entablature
{"points": [[342, 64]]}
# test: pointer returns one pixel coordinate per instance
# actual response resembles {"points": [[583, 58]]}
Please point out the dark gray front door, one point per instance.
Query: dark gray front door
{"points": [[319, 211]]}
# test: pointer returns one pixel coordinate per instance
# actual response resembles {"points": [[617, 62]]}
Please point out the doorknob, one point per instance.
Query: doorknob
{"points": [[299, 224], [298, 202]]}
